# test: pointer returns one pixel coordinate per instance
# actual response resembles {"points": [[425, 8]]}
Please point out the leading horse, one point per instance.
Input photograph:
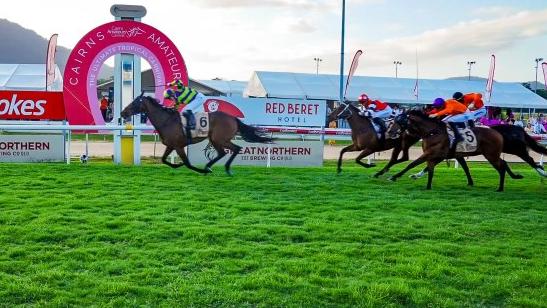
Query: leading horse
{"points": [[436, 145], [167, 122]]}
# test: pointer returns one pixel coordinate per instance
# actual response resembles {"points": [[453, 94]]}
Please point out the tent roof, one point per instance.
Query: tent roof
{"points": [[393, 90], [28, 77]]}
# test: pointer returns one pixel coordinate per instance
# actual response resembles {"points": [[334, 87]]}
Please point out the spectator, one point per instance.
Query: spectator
{"points": [[104, 107], [538, 127]]}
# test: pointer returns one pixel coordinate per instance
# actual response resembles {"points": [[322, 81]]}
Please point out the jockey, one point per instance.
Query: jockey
{"points": [[377, 110], [455, 112], [192, 99], [474, 103]]}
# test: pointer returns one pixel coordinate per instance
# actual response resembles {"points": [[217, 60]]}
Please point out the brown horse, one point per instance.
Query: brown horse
{"points": [[365, 139], [436, 147], [167, 122]]}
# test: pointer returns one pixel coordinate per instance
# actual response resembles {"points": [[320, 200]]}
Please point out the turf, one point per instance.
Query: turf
{"points": [[103, 235]]}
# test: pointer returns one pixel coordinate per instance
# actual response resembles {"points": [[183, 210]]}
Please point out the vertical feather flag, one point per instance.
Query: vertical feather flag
{"points": [[50, 60], [490, 81], [352, 69]]}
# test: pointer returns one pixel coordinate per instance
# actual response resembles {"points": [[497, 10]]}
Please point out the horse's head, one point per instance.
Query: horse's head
{"points": [[343, 111], [419, 122], [136, 107]]}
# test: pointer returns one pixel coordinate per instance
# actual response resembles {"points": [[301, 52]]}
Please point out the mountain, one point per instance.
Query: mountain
{"points": [[21, 45], [540, 85], [473, 78]]}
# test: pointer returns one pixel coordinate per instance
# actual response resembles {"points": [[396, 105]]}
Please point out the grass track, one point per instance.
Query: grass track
{"points": [[127, 236]]}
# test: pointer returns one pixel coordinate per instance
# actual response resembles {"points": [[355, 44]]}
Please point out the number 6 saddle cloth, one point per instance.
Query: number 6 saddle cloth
{"points": [[469, 143], [202, 124]]}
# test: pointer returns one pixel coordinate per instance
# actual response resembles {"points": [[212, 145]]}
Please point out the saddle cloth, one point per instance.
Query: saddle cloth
{"points": [[469, 143], [202, 124], [390, 133]]}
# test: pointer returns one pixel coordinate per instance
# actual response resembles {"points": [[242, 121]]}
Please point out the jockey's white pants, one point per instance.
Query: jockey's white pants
{"points": [[479, 113], [382, 114], [462, 117], [197, 104]]}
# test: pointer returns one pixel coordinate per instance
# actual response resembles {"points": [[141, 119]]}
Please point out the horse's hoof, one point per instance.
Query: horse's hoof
{"points": [[518, 176], [413, 176], [372, 165], [470, 184], [376, 175], [392, 179], [229, 173], [208, 170], [338, 171]]}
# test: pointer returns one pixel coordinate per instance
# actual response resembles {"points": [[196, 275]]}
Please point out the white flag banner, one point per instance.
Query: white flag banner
{"points": [[50, 60]]}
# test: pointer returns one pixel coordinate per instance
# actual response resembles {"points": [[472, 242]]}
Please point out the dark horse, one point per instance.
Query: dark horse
{"points": [[516, 142], [436, 146], [365, 139], [222, 129]]}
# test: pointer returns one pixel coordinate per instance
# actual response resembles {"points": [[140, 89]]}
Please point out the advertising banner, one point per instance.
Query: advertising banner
{"points": [[31, 105], [274, 112], [281, 153], [32, 148]]}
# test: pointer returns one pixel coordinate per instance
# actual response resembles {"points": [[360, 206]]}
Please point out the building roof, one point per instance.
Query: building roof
{"points": [[28, 77], [392, 90], [227, 87]]}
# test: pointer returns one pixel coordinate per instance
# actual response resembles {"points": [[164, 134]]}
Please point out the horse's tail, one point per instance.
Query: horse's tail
{"points": [[534, 145], [251, 134]]}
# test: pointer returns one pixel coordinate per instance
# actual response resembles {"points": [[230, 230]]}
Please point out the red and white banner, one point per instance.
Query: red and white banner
{"points": [[352, 68], [544, 65], [31, 105], [269, 111], [50, 60], [280, 153], [490, 81]]}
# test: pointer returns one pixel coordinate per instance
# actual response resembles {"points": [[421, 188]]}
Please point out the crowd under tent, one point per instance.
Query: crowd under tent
{"points": [[28, 77], [286, 85]]}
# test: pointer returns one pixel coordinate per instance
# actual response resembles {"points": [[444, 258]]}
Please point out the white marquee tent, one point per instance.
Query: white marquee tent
{"points": [[29, 77], [392, 90]]}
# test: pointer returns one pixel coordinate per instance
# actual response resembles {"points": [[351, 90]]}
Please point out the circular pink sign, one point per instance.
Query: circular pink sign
{"points": [[87, 57]]}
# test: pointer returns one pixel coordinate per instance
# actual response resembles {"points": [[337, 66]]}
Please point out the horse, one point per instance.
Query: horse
{"points": [[436, 147], [167, 122], [516, 142], [365, 139]]}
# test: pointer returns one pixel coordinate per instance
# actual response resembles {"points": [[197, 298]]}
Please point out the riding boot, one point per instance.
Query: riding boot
{"points": [[471, 123], [190, 124], [457, 137], [190, 118], [382, 126]]}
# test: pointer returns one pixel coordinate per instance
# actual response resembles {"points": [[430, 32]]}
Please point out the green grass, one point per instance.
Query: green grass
{"points": [[109, 235]]}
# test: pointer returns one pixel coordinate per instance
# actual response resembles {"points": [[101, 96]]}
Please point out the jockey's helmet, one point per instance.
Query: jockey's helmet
{"points": [[438, 102], [457, 96], [363, 98]]}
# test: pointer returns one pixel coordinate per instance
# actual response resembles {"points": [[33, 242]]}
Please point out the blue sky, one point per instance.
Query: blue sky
{"points": [[232, 38]]}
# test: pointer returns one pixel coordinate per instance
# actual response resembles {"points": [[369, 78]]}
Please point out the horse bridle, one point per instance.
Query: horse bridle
{"points": [[343, 110]]}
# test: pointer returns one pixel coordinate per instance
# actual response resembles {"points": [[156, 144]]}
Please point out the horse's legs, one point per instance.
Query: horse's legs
{"points": [[413, 164], [431, 170], [528, 159], [349, 148], [235, 150], [366, 152], [392, 161], [184, 158], [513, 175], [465, 168], [164, 160], [500, 165], [220, 154]]}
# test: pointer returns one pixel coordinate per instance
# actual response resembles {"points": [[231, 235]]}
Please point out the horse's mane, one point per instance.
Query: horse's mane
{"points": [[425, 117], [156, 102]]}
